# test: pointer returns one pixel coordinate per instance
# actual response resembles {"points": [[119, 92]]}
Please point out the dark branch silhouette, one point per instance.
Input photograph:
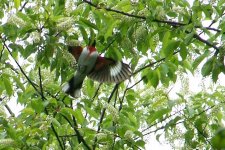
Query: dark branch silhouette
{"points": [[8, 108], [103, 113], [34, 86], [172, 23], [79, 136]]}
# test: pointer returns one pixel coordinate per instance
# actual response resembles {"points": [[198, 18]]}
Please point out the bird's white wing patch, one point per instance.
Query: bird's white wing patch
{"points": [[65, 87], [115, 70]]}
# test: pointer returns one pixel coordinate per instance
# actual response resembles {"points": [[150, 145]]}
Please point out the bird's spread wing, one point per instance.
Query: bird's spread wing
{"points": [[109, 70]]}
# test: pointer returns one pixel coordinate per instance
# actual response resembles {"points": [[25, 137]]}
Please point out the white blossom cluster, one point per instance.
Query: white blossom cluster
{"points": [[65, 23], [128, 135], [113, 111], [6, 143], [14, 19], [69, 4], [35, 36]]}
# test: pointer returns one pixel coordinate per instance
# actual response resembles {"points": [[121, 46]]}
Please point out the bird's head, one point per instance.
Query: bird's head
{"points": [[91, 46]]}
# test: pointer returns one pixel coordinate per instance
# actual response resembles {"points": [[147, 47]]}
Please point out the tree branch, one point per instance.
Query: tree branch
{"points": [[113, 10], [23, 6], [35, 88], [103, 113], [188, 119], [196, 36], [68, 135], [153, 63], [40, 84], [28, 79], [57, 137], [8, 108], [172, 23], [79, 136], [125, 91]]}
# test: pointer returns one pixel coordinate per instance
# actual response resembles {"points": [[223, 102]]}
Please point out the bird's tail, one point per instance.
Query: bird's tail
{"points": [[73, 87]]}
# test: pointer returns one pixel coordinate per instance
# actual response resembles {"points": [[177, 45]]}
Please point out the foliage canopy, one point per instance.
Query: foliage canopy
{"points": [[162, 40]]}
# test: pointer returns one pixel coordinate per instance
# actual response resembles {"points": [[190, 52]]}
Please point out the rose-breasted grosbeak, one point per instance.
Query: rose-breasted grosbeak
{"points": [[96, 67]]}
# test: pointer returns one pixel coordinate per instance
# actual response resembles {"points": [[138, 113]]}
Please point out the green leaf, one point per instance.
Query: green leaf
{"points": [[28, 111], [218, 140], [207, 67], [10, 31], [183, 51], [25, 18], [88, 23], [90, 88], [171, 46], [79, 116], [157, 137], [188, 38], [157, 115], [56, 122], [140, 143], [28, 51], [155, 78], [84, 34], [166, 39], [37, 105], [8, 86], [76, 113], [189, 135], [17, 3], [199, 59], [217, 69], [132, 119], [172, 69], [11, 131], [92, 113], [18, 83]]}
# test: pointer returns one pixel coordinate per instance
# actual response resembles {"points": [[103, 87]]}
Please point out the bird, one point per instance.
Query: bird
{"points": [[96, 67]]}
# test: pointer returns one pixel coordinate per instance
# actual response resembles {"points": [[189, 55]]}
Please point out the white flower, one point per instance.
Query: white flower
{"points": [[35, 37], [113, 111], [69, 4], [65, 23], [14, 19], [128, 135]]}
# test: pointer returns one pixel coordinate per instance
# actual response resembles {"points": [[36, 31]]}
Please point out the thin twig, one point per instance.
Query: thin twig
{"points": [[205, 41], [162, 127], [202, 134], [153, 63], [34, 86], [125, 91], [68, 135], [79, 136], [57, 136], [96, 92], [111, 42], [40, 84], [1, 53], [172, 23], [23, 6], [103, 113], [8, 108], [112, 10]]}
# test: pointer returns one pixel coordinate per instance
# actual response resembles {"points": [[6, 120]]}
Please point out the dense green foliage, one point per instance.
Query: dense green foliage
{"points": [[162, 41]]}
